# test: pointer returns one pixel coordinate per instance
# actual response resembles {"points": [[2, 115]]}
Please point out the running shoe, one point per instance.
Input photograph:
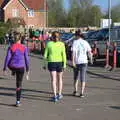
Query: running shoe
{"points": [[75, 93], [54, 99], [82, 96], [18, 104], [59, 96]]}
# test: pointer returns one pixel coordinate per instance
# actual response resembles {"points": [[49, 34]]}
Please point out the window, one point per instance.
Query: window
{"points": [[30, 13], [15, 13]]}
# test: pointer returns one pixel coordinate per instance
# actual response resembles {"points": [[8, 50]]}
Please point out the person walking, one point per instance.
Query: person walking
{"points": [[55, 54], [17, 60], [80, 50]]}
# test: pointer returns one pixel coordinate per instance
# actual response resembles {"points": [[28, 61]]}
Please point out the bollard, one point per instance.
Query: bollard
{"points": [[114, 55], [107, 66], [94, 51]]}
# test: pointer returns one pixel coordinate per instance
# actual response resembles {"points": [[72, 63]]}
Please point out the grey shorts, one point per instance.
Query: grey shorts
{"points": [[80, 68]]}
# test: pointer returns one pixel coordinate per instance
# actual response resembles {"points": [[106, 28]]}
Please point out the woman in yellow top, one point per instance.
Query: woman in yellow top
{"points": [[56, 56]]}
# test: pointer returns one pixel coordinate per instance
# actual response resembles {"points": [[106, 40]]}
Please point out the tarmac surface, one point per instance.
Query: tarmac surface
{"points": [[101, 101]]}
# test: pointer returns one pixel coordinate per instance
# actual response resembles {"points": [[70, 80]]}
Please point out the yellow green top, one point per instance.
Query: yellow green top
{"points": [[55, 52]]}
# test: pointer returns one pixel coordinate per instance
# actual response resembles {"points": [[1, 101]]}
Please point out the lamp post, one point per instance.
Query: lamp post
{"points": [[109, 40], [109, 16]]}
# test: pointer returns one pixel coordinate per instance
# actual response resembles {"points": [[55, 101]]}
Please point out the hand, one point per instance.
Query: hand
{"points": [[27, 76], [73, 64], [91, 61]]}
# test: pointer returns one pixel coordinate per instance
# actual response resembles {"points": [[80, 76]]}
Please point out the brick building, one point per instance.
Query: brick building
{"points": [[33, 12]]}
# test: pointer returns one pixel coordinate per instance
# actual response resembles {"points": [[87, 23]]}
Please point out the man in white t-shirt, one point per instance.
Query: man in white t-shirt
{"points": [[81, 51]]}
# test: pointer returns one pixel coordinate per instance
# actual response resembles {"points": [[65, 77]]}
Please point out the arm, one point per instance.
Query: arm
{"points": [[7, 59], [73, 60], [64, 56], [73, 55], [90, 55], [45, 55], [26, 59], [46, 52]]}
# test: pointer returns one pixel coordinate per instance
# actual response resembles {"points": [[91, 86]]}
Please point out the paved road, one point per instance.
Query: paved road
{"points": [[102, 101]]}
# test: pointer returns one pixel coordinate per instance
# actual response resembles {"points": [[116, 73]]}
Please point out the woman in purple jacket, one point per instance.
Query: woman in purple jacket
{"points": [[17, 60]]}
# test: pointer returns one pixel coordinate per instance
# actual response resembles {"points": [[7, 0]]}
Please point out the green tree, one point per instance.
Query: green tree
{"points": [[115, 14], [80, 13], [73, 14], [96, 15], [56, 13]]}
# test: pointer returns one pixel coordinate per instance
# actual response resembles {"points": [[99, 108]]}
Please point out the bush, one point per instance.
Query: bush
{"points": [[3, 30], [16, 22]]}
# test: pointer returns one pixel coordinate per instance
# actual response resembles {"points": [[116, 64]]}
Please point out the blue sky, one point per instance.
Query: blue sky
{"points": [[102, 3]]}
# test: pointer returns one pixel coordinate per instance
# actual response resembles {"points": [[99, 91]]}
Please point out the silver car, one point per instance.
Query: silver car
{"points": [[102, 37]]}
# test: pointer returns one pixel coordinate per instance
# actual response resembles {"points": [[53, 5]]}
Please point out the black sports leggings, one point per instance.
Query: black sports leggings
{"points": [[19, 78]]}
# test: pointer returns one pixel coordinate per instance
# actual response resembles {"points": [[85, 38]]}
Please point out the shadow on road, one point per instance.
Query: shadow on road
{"points": [[9, 105], [103, 76], [102, 88], [25, 90], [43, 96], [115, 107], [2, 78]]}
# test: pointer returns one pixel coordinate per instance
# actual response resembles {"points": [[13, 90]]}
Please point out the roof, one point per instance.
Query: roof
{"points": [[35, 4]]}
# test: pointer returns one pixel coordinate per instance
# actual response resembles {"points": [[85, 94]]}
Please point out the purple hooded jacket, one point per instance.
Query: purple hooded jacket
{"points": [[17, 57]]}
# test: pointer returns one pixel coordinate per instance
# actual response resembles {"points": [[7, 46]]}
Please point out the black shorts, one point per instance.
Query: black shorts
{"points": [[55, 66]]}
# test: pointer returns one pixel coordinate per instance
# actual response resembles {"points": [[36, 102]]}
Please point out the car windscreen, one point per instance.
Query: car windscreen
{"points": [[91, 35], [102, 33], [66, 36]]}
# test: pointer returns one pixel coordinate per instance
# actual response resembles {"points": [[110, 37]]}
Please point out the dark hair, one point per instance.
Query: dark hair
{"points": [[79, 34], [55, 35]]}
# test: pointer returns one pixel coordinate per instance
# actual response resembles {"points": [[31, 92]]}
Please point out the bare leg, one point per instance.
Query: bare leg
{"points": [[75, 85], [82, 87], [53, 80], [60, 82]]}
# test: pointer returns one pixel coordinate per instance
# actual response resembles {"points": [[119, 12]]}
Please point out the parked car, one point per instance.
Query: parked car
{"points": [[90, 34], [101, 38], [66, 37]]}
